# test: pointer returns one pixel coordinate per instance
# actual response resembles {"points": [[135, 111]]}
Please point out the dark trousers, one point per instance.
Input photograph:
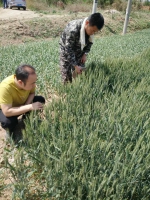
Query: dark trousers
{"points": [[66, 68], [11, 122]]}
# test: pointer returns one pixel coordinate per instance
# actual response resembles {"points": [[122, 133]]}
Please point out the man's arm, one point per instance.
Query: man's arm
{"points": [[84, 57], [87, 48], [69, 48], [30, 98], [9, 111]]}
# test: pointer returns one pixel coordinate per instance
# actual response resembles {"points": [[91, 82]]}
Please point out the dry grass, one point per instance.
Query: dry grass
{"points": [[37, 5], [82, 7], [42, 5], [120, 6]]}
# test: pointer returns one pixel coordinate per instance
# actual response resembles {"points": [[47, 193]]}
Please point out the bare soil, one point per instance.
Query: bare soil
{"points": [[4, 173], [19, 26]]}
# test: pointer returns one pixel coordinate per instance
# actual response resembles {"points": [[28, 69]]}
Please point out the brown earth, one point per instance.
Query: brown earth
{"points": [[19, 26], [4, 173]]}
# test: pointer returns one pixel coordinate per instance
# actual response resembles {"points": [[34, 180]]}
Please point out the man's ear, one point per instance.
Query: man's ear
{"points": [[20, 82], [87, 22]]}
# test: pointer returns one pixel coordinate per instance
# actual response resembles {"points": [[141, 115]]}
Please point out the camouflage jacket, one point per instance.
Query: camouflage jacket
{"points": [[70, 45]]}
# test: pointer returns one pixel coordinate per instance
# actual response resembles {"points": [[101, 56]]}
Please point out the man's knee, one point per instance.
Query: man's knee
{"points": [[66, 74], [9, 122], [66, 78]]}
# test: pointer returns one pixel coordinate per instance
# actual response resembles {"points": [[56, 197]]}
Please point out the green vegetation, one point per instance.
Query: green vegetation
{"points": [[117, 4], [94, 139]]}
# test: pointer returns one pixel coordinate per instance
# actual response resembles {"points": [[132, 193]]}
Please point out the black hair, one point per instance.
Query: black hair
{"points": [[96, 19], [23, 71]]}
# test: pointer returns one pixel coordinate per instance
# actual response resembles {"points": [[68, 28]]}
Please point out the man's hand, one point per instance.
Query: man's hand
{"points": [[78, 69], [84, 57], [37, 106]]}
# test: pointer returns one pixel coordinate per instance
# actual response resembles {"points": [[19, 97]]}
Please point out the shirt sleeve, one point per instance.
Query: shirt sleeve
{"points": [[69, 48], [87, 47], [5, 97]]}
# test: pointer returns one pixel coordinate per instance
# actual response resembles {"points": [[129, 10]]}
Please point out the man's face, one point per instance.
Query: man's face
{"points": [[30, 83], [90, 30]]}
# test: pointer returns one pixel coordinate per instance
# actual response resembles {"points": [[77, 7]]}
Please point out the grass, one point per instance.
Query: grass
{"points": [[120, 46], [94, 142], [46, 54]]}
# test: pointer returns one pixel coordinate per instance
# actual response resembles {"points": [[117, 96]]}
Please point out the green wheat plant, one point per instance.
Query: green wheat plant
{"points": [[94, 140]]}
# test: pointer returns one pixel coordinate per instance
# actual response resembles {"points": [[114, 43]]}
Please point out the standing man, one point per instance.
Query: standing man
{"points": [[75, 43], [17, 96], [5, 4]]}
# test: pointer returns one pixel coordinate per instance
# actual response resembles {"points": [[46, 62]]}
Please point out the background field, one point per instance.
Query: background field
{"points": [[93, 141]]}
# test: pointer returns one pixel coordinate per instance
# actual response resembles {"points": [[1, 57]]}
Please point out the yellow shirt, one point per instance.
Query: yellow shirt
{"points": [[10, 94]]}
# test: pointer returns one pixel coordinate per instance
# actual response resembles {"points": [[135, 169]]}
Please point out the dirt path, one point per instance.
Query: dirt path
{"points": [[6, 14], [9, 14], [2, 142], [19, 26]]}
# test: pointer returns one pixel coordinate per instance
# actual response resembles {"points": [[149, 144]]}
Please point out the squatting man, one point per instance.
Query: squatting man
{"points": [[75, 43], [17, 97]]}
